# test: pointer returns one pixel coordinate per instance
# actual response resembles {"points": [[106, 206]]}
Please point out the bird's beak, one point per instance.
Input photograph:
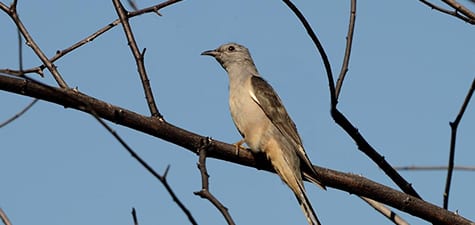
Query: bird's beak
{"points": [[210, 53]]}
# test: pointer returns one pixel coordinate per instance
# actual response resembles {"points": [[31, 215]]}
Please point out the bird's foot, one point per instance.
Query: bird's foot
{"points": [[238, 146]]}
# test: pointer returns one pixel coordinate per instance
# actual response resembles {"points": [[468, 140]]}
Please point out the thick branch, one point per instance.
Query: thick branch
{"points": [[191, 141]]}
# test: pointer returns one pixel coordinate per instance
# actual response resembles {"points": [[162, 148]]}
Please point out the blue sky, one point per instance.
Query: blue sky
{"points": [[409, 72]]}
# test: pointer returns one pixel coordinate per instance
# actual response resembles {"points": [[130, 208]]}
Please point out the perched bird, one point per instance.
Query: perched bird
{"points": [[263, 122]]}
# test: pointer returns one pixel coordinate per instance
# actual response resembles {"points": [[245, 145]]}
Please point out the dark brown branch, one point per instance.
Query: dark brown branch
{"points": [[16, 116], [138, 58], [342, 121], [149, 125], [12, 12], [204, 192], [453, 136], [349, 42]]}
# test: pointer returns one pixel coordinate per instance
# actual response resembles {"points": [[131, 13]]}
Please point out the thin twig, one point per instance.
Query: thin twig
{"points": [[16, 116], [161, 178], [12, 12], [454, 13], [139, 56], [134, 217], [88, 39], [204, 192], [420, 168], [385, 211], [453, 137], [4, 217], [349, 42], [343, 122], [321, 50]]}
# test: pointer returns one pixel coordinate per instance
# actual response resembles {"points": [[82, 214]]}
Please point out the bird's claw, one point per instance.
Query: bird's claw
{"points": [[238, 145]]}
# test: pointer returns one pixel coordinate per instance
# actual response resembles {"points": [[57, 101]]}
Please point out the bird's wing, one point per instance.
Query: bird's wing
{"points": [[265, 96]]}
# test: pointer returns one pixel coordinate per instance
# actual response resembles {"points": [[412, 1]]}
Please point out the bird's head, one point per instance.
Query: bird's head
{"points": [[230, 54]]}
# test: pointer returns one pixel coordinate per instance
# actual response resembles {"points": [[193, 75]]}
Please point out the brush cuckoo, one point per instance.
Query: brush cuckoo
{"points": [[264, 123]]}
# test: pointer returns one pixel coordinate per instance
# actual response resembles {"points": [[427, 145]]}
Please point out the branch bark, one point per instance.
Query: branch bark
{"points": [[153, 126]]}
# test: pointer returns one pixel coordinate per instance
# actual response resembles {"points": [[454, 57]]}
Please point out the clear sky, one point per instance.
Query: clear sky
{"points": [[409, 72]]}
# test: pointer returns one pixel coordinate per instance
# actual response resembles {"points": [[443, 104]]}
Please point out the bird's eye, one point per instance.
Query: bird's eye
{"points": [[231, 48]]}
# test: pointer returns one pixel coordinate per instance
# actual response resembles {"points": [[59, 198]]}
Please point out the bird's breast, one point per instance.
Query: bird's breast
{"points": [[247, 116]]}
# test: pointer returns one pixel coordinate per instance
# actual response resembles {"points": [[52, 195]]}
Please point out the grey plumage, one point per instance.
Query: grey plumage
{"points": [[263, 121]]}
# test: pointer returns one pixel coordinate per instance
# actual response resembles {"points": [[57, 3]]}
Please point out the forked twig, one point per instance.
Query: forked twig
{"points": [[204, 192], [342, 121], [161, 178], [60, 53], [138, 58], [453, 137], [12, 12]]}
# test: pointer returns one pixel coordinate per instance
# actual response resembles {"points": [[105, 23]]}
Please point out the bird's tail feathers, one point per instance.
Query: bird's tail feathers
{"points": [[307, 208]]}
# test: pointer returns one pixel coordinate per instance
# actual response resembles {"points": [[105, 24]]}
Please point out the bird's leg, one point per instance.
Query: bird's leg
{"points": [[238, 146]]}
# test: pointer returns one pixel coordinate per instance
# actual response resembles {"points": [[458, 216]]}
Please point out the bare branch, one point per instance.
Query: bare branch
{"points": [[162, 179], [134, 217], [149, 125], [467, 18], [88, 39], [31, 43], [385, 211], [453, 137], [343, 122], [349, 42], [16, 116], [138, 58], [204, 192], [4, 217]]}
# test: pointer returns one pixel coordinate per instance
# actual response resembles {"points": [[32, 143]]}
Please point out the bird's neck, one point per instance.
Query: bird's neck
{"points": [[241, 69]]}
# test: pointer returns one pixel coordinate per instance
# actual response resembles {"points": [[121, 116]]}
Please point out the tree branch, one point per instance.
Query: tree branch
{"points": [[342, 121], [60, 53], [349, 42], [219, 150], [4, 217], [16, 116], [468, 17], [204, 192], [12, 12], [162, 178], [453, 136], [124, 19]]}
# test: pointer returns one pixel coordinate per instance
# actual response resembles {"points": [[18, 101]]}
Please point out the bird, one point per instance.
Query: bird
{"points": [[262, 120]]}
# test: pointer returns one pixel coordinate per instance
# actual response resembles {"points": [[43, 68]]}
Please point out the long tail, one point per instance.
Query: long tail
{"points": [[307, 209]]}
